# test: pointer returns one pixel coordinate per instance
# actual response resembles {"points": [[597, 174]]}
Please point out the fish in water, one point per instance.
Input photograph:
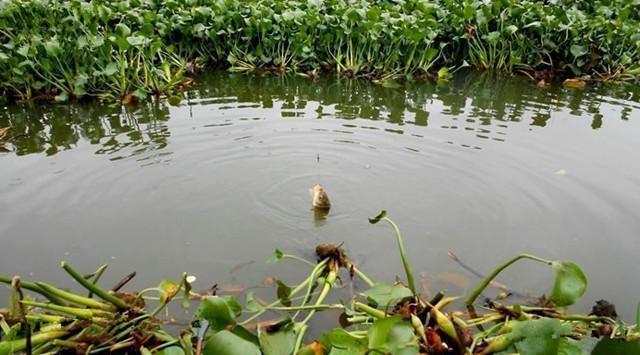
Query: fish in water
{"points": [[320, 198]]}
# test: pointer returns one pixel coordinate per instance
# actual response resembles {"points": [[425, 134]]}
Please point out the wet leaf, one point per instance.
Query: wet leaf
{"points": [[279, 342], [384, 295], [252, 304], [277, 256], [393, 335], [62, 97], [443, 73], [171, 350], [539, 336], [569, 347], [284, 292], [570, 283], [123, 29], [168, 290], [219, 311], [110, 69], [174, 100], [578, 51], [608, 346], [227, 343], [340, 342], [137, 40], [377, 218]]}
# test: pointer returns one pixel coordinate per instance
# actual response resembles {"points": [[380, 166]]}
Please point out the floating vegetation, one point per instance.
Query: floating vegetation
{"points": [[383, 319], [128, 50]]}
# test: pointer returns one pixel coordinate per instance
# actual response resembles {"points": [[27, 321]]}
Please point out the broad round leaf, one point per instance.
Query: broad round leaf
{"points": [[393, 335], [279, 342], [227, 343], [570, 283], [219, 311], [383, 295]]}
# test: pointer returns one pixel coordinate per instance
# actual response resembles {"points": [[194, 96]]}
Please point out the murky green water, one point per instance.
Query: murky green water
{"points": [[483, 167]]}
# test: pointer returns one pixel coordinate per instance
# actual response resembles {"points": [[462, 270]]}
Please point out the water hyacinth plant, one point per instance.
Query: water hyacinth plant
{"points": [[380, 318], [129, 49]]}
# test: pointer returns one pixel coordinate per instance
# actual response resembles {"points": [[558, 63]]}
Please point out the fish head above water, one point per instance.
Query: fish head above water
{"points": [[320, 197]]}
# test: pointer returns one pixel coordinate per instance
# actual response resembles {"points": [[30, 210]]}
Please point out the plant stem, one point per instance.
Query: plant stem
{"points": [[295, 257], [71, 297], [34, 288], [329, 281], [361, 275], [405, 260], [36, 339], [298, 288], [369, 310], [82, 313], [482, 285], [97, 275], [94, 288]]}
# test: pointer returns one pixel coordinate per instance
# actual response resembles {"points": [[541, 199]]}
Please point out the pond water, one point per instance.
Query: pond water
{"points": [[482, 166]]}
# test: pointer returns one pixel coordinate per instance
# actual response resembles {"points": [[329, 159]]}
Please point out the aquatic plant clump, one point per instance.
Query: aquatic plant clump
{"points": [[380, 318], [127, 50]]}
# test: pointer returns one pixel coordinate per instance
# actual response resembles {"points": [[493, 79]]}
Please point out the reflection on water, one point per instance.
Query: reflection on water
{"points": [[50, 129], [482, 105], [483, 166]]}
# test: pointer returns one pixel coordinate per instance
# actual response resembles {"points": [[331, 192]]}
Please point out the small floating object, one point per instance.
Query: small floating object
{"points": [[320, 198], [574, 83]]}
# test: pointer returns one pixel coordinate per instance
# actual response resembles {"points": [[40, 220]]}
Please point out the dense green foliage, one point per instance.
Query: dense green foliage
{"points": [[129, 49]]}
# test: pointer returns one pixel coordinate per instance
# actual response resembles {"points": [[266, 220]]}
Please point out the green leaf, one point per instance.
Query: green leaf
{"points": [[219, 311], [277, 256], [137, 40], [393, 335], [227, 343], [570, 283], [62, 97], [52, 47], [383, 295], [539, 336], [569, 347], [278, 339], [340, 342], [377, 218], [110, 69], [283, 292], [174, 100], [123, 29], [251, 303], [578, 51], [171, 350], [443, 73], [608, 346], [168, 290]]}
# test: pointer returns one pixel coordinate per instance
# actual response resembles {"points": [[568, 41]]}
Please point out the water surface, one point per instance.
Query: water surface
{"points": [[485, 167]]}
